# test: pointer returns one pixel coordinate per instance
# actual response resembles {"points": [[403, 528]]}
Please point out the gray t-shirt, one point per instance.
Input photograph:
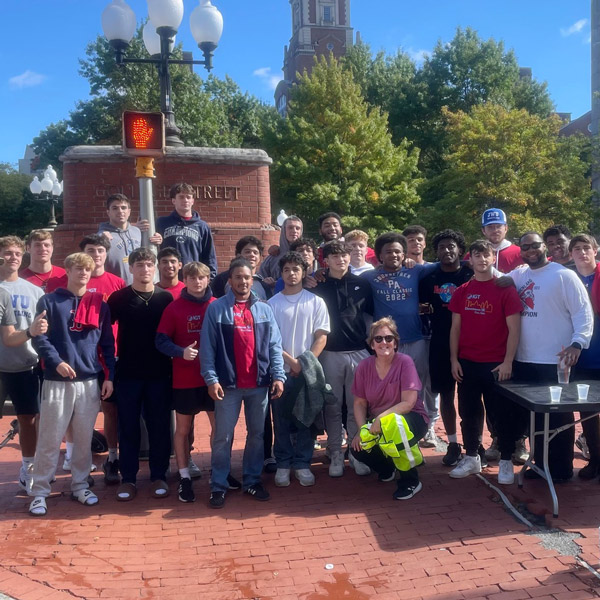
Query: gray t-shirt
{"points": [[122, 244], [22, 297]]}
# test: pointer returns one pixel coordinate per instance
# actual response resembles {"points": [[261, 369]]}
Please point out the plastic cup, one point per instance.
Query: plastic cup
{"points": [[582, 391], [563, 372], [555, 392]]}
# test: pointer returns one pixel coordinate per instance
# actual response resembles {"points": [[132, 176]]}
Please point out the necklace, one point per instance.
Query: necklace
{"points": [[144, 300], [43, 280]]}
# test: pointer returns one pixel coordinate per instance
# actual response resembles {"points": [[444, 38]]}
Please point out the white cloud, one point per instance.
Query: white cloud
{"points": [[270, 79], [418, 56], [25, 80], [577, 27]]}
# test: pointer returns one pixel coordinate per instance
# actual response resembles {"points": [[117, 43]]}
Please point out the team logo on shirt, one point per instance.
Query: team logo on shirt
{"points": [[75, 326], [445, 291], [194, 323], [474, 303], [527, 295]]}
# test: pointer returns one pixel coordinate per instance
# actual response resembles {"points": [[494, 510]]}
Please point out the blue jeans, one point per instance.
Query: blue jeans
{"points": [[290, 454], [227, 412], [150, 398]]}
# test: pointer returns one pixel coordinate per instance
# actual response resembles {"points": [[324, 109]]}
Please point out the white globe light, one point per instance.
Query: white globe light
{"points": [[118, 21], [152, 39], [50, 172], [166, 13], [206, 23], [281, 217], [35, 186], [56, 188], [47, 183]]}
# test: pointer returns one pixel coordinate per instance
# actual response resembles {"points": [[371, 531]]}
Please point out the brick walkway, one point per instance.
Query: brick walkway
{"points": [[455, 540]]}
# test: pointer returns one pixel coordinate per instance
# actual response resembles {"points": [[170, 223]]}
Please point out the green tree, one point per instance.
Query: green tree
{"points": [[20, 211], [513, 160], [334, 152], [212, 112]]}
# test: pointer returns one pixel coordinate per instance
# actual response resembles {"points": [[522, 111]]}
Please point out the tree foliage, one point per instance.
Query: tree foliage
{"points": [[512, 160], [334, 152], [213, 112]]}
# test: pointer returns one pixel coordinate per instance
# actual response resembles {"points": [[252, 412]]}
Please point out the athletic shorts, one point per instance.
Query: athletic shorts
{"points": [[23, 388], [192, 401]]}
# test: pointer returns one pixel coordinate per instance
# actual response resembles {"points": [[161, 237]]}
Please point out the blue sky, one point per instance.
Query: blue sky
{"points": [[40, 84]]}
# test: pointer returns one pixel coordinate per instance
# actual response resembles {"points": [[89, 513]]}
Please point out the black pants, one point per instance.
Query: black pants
{"points": [[384, 465], [560, 450], [591, 427], [478, 380]]}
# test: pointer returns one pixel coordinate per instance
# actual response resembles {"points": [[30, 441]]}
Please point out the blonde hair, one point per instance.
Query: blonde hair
{"points": [[195, 269], [12, 240], [79, 259], [357, 234], [384, 322]]}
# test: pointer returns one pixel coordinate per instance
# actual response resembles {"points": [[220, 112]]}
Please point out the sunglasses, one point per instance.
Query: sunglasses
{"points": [[388, 338], [534, 245]]}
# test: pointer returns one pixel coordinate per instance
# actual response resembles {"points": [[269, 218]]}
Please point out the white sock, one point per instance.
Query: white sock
{"points": [[69, 450], [113, 454], [452, 439], [184, 473], [27, 460]]}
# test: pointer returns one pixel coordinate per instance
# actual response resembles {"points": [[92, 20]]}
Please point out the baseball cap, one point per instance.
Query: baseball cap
{"points": [[493, 216]]}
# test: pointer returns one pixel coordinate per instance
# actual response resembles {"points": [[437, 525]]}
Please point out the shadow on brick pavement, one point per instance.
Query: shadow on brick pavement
{"points": [[454, 540]]}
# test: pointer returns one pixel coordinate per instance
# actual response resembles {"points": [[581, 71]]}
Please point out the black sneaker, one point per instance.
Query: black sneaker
{"points": [[453, 454], [233, 483], [406, 491], [185, 491], [481, 452], [111, 471], [258, 491], [270, 465], [217, 500]]}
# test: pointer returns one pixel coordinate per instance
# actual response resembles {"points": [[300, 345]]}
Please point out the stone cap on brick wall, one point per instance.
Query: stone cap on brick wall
{"points": [[223, 156]]}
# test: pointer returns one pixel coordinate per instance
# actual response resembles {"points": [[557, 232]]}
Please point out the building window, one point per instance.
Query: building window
{"points": [[282, 105], [328, 14]]}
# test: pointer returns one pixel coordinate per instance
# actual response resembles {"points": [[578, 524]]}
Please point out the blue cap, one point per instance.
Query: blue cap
{"points": [[493, 216]]}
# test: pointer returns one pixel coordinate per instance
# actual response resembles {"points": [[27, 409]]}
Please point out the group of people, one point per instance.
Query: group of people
{"points": [[371, 343]]}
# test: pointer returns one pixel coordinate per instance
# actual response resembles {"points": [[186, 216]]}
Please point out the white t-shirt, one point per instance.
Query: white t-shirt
{"points": [[299, 316], [556, 312], [361, 270]]}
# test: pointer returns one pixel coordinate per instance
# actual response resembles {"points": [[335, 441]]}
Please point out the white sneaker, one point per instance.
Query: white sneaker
{"points": [[67, 464], [336, 468], [520, 455], [305, 477], [581, 443], [469, 465], [26, 477], [430, 439], [506, 473], [195, 472], [359, 468], [282, 477]]}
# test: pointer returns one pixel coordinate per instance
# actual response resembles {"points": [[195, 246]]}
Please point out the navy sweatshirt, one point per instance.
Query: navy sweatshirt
{"points": [[64, 342], [192, 237]]}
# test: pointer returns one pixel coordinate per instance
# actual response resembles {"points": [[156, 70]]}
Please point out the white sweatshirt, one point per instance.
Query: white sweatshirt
{"points": [[556, 312]]}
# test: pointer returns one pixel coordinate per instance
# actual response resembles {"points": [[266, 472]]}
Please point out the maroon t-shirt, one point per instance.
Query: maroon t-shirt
{"points": [[483, 307], [244, 346]]}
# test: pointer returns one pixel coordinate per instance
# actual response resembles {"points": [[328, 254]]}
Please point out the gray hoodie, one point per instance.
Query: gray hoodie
{"points": [[123, 243]]}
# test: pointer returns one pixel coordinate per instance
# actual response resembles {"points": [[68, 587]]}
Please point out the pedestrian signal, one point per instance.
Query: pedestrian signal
{"points": [[143, 133]]}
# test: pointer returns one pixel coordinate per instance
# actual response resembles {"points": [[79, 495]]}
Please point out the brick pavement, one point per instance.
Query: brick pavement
{"points": [[453, 541]]}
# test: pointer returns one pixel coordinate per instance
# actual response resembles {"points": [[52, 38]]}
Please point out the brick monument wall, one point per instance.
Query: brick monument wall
{"points": [[232, 192]]}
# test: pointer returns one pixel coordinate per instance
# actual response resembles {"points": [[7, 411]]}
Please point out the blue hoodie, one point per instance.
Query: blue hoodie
{"points": [[192, 237], [77, 347]]}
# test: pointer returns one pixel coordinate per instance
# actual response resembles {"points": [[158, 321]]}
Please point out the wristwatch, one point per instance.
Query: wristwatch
{"points": [[576, 345], [28, 334]]}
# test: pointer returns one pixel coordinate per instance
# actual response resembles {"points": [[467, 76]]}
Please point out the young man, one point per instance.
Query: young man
{"points": [[308, 250], [184, 230], [240, 361], [19, 377], [40, 270], [169, 266], [79, 325], [494, 228], [436, 290], [304, 324], [124, 238], [416, 242], [349, 302], [251, 249], [557, 240], [483, 341], [291, 231], [557, 322], [358, 242], [142, 381], [178, 336]]}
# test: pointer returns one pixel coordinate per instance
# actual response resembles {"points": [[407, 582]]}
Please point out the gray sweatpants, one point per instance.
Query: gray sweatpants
{"points": [[339, 374], [419, 352], [63, 403]]}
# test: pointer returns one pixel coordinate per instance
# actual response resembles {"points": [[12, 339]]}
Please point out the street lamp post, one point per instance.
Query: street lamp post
{"points": [[206, 24], [49, 188]]}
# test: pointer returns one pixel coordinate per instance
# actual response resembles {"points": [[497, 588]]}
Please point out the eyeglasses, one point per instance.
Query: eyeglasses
{"points": [[533, 245], [388, 338]]}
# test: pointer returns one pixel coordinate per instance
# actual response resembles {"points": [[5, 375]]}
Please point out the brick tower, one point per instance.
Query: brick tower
{"points": [[319, 27]]}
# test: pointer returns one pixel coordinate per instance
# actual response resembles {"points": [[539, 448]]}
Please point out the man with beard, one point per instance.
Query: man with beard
{"points": [[556, 323]]}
